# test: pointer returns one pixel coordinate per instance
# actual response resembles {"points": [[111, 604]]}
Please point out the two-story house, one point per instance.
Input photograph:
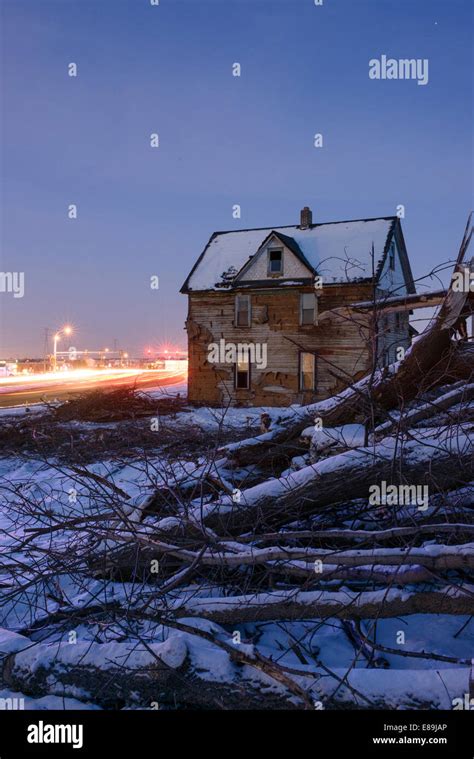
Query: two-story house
{"points": [[255, 336]]}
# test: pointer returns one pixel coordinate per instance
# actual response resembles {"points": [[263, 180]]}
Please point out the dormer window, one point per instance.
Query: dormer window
{"points": [[275, 262]]}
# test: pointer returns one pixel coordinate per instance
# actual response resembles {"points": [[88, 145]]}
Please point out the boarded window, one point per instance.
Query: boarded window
{"points": [[308, 306], [242, 374], [275, 262], [307, 371], [242, 310]]}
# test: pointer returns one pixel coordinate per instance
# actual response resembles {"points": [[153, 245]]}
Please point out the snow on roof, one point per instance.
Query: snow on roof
{"points": [[337, 251]]}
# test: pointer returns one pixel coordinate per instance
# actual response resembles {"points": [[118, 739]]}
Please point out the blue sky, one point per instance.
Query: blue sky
{"points": [[224, 140]]}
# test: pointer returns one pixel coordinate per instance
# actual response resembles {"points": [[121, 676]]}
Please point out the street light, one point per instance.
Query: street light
{"points": [[67, 330]]}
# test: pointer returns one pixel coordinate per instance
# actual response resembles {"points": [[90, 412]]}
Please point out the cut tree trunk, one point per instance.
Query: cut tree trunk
{"points": [[463, 394], [298, 605], [147, 675], [324, 483]]}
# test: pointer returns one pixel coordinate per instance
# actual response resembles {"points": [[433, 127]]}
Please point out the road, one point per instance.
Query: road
{"points": [[21, 390]]}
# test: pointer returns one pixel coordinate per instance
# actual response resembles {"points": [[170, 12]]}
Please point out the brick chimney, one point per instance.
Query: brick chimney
{"points": [[306, 217]]}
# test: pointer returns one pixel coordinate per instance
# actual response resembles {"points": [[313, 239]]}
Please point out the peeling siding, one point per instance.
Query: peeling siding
{"points": [[342, 347]]}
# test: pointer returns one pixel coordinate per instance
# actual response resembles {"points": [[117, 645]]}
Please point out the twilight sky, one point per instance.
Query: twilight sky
{"points": [[224, 140]]}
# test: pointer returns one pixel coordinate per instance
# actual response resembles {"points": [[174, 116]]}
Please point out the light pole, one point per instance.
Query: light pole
{"points": [[57, 336], [46, 354]]}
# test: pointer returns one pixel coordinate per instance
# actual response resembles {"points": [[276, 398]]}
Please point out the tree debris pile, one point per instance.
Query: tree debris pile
{"points": [[124, 424], [116, 405]]}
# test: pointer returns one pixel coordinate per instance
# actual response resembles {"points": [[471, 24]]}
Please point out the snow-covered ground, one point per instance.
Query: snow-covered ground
{"points": [[37, 494]]}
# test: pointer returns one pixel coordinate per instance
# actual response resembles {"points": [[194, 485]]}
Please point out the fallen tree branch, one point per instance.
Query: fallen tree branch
{"points": [[463, 394], [320, 484], [139, 673], [293, 605], [372, 536], [409, 654]]}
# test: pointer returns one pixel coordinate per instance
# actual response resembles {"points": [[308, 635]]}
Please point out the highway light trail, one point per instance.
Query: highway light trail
{"points": [[71, 376], [34, 388]]}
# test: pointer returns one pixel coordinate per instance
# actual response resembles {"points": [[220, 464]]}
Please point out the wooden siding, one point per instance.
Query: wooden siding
{"points": [[341, 346], [393, 334]]}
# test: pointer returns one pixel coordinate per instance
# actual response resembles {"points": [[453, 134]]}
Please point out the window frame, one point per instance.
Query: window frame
{"points": [[315, 310], [300, 372], [248, 373], [271, 273], [249, 311]]}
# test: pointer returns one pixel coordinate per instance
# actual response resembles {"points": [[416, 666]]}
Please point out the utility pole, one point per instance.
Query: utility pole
{"points": [[47, 330]]}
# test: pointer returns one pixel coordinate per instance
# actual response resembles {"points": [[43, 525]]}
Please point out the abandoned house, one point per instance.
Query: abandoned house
{"points": [[262, 326]]}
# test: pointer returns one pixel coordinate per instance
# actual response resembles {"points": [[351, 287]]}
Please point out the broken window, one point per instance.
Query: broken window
{"points": [[242, 374], [242, 310], [308, 306], [275, 261], [307, 371]]}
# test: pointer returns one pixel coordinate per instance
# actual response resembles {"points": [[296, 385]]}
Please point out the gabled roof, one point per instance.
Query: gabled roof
{"points": [[340, 252], [288, 242]]}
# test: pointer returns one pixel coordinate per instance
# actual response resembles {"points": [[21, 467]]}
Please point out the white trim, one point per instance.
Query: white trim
{"points": [[315, 310], [249, 310]]}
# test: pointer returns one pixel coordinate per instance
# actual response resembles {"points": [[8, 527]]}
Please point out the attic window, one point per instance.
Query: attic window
{"points": [[242, 310], [391, 257], [275, 261]]}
